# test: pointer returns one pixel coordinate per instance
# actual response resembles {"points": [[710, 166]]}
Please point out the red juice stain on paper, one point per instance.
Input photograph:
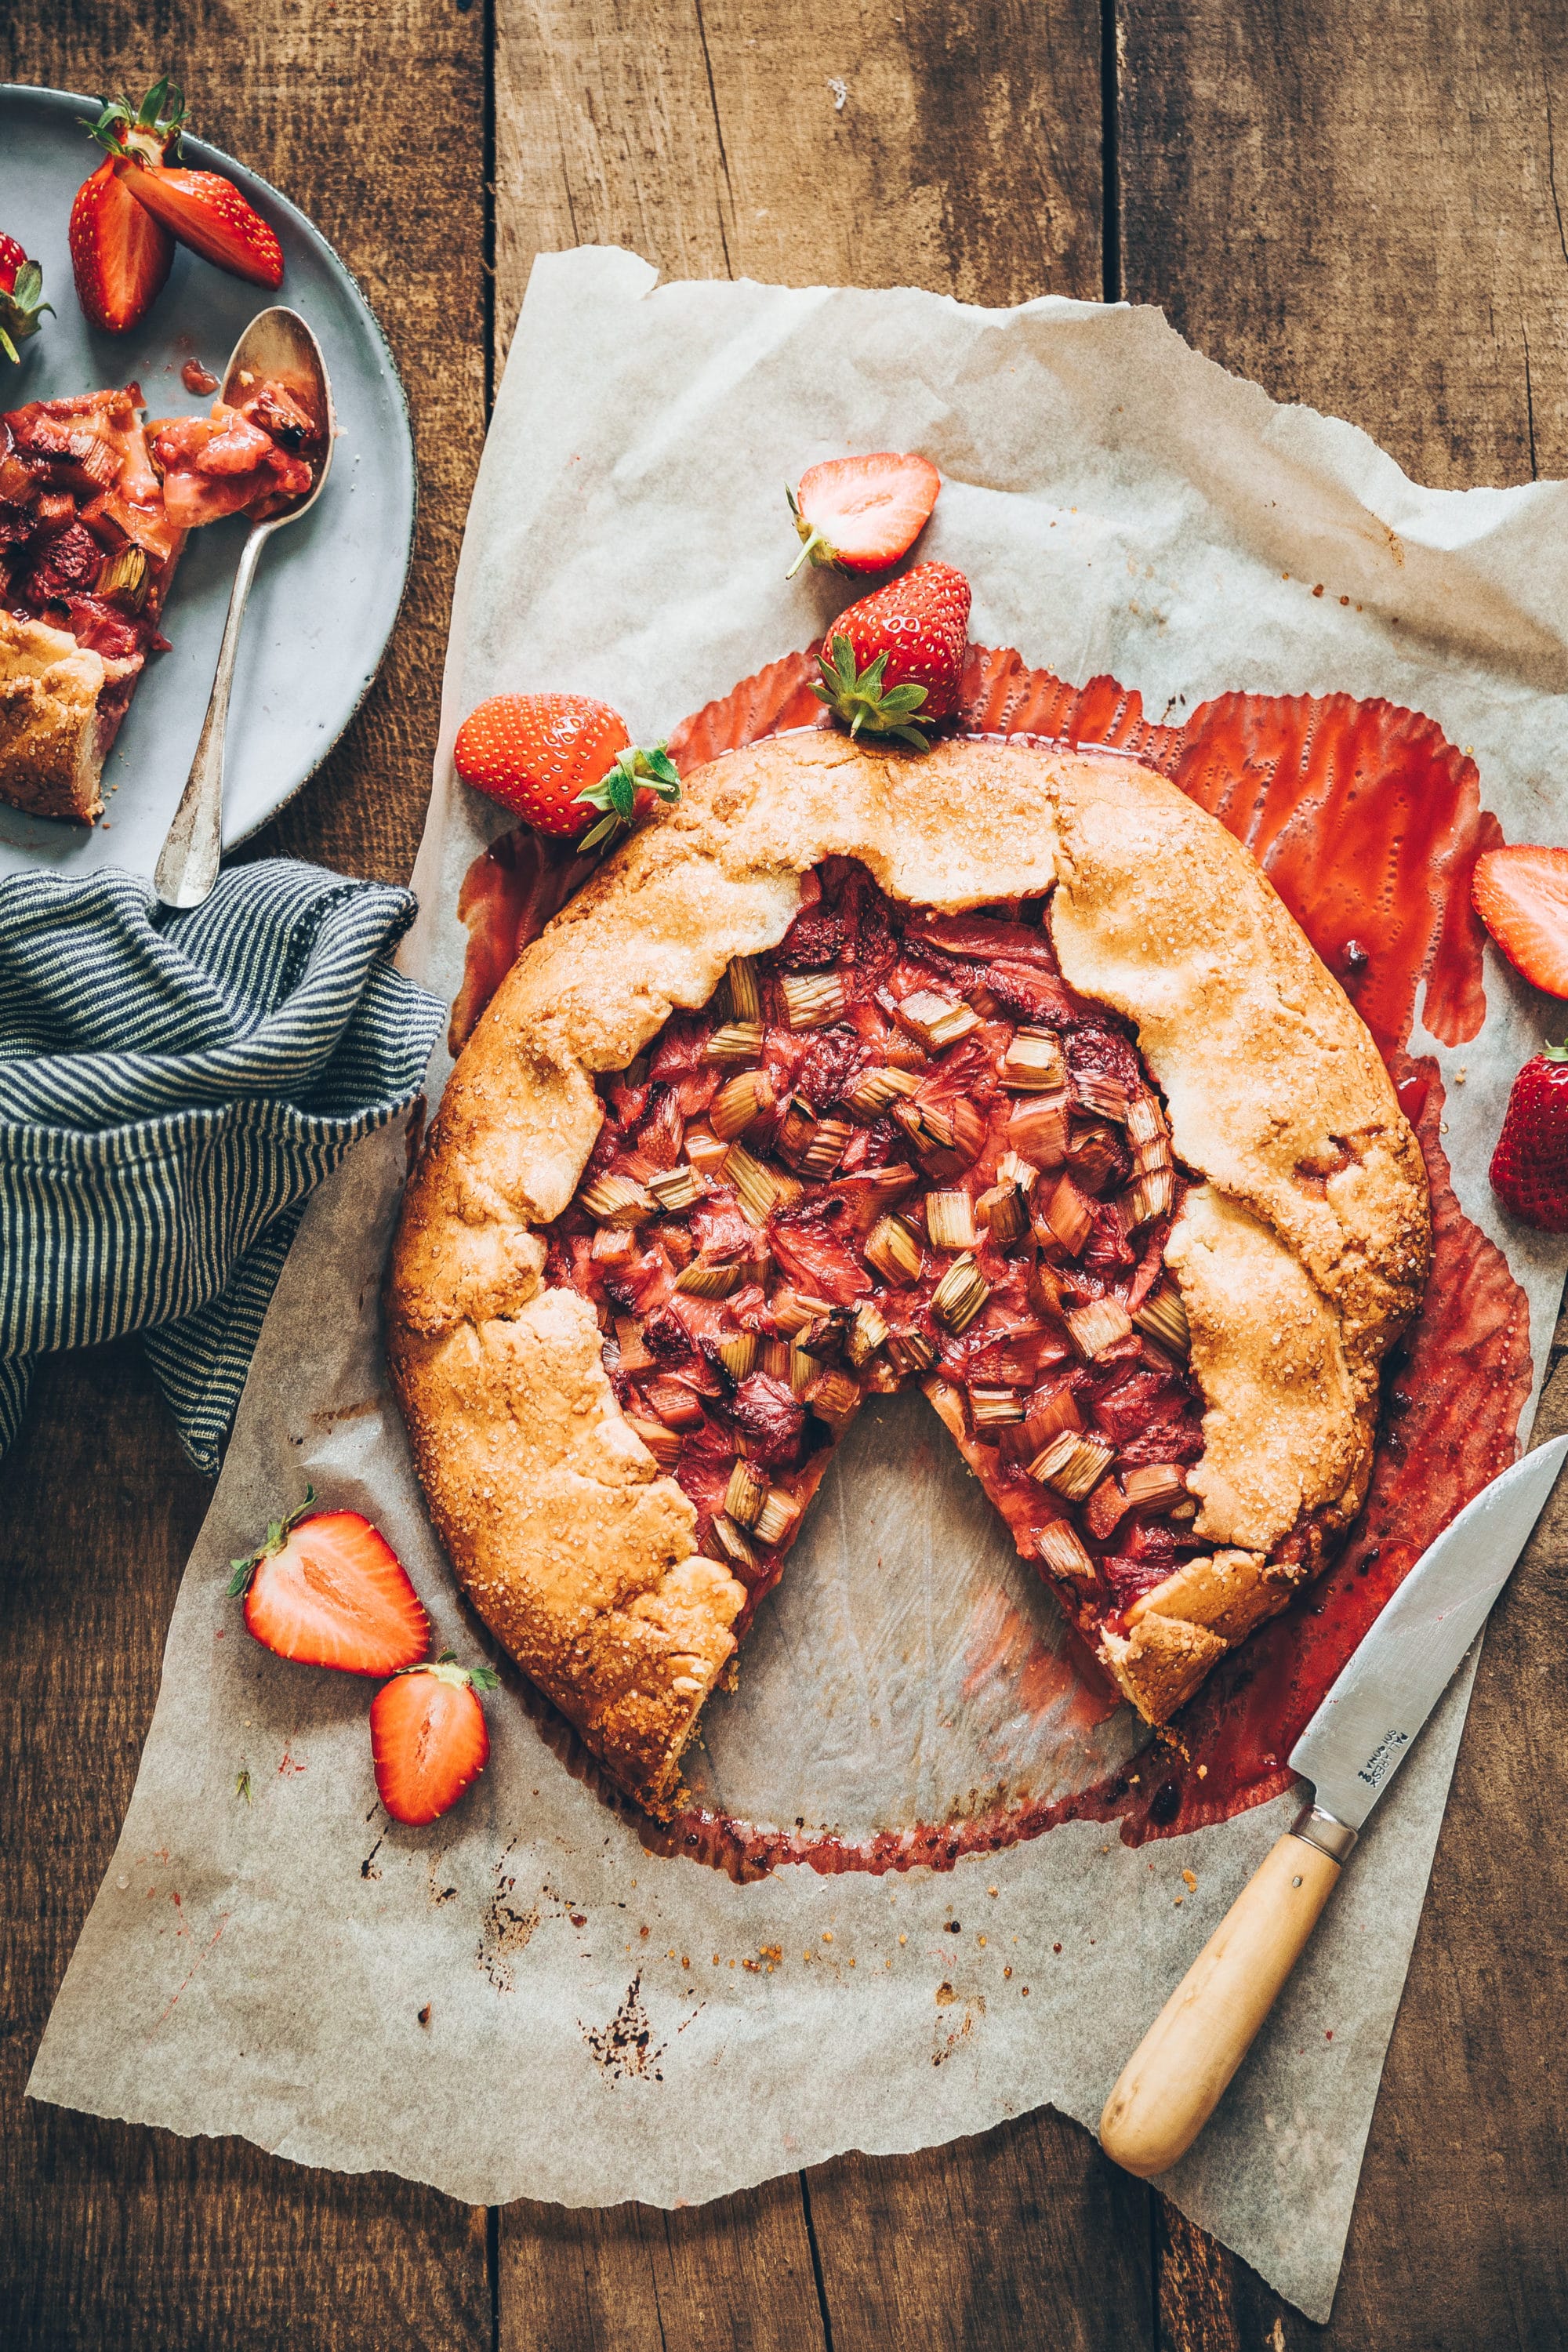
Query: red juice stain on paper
{"points": [[1368, 821]]}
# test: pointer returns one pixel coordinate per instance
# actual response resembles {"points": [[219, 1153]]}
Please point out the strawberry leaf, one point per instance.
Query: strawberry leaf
{"points": [[859, 698], [277, 1534], [616, 790]]}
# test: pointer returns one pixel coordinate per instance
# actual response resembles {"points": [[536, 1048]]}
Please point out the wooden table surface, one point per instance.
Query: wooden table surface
{"points": [[1354, 202]]}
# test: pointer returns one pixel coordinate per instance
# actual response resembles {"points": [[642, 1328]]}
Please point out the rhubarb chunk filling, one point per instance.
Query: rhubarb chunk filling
{"points": [[899, 1147]]}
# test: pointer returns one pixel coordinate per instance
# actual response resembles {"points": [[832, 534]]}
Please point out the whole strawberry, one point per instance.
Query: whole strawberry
{"points": [[555, 759], [897, 653], [1529, 1166], [21, 298]]}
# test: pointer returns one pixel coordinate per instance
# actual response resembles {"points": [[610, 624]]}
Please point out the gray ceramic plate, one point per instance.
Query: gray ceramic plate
{"points": [[329, 589]]}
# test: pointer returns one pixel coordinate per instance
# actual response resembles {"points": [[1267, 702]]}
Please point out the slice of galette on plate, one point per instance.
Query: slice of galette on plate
{"points": [[1004, 1071], [94, 507]]}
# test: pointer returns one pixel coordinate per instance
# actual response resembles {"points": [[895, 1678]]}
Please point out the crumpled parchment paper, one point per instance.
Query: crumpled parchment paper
{"points": [[286, 1964]]}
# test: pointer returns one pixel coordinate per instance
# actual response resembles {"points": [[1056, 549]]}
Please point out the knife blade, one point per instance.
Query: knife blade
{"points": [[1350, 1752], [1363, 1729]]}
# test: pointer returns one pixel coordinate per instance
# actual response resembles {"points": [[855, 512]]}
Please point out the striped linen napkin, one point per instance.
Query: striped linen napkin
{"points": [[173, 1087]]}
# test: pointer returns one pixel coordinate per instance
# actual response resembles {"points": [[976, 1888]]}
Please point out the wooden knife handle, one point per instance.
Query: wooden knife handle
{"points": [[1174, 2079]]}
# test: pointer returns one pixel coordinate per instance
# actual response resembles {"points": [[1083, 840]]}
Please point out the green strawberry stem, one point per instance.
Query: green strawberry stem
{"points": [[277, 1534], [617, 792], [21, 311], [860, 699], [813, 538], [149, 133]]}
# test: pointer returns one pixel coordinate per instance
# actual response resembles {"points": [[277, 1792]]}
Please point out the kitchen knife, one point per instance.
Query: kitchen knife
{"points": [[1350, 1752]]}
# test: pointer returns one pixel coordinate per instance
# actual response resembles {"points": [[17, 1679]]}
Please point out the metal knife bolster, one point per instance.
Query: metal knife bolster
{"points": [[1316, 1826]]}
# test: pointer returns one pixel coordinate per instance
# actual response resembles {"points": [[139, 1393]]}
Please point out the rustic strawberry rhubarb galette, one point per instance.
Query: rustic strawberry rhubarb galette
{"points": [[94, 509], [1002, 1070]]}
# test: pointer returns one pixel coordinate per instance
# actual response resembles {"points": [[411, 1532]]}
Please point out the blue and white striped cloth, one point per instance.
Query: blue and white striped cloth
{"points": [[173, 1087]]}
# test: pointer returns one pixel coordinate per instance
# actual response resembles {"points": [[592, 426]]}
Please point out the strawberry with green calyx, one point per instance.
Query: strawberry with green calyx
{"points": [[201, 209], [326, 1589], [121, 257], [21, 305], [861, 514], [1529, 1166], [427, 1737], [897, 653], [618, 793]]}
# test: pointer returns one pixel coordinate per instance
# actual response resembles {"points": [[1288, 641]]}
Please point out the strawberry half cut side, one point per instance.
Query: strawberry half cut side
{"points": [[861, 514], [1521, 895], [326, 1589], [428, 1738]]}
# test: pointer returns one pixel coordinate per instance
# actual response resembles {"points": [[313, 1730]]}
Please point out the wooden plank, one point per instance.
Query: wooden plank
{"points": [[875, 142], [734, 2276], [954, 147], [1357, 206], [1022, 2237], [113, 2235], [1361, 204]]}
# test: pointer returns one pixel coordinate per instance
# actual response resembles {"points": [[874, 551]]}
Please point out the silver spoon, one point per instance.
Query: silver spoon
{"points": [[277, 343]]}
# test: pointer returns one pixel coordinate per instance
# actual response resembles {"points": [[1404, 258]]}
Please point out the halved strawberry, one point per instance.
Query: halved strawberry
{"points": [[861, 514], [120, 254], [327, 1589], [427, 1737], [1521, 895], [207, 213]]}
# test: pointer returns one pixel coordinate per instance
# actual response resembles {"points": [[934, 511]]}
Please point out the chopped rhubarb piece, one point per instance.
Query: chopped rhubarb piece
{"points": [[1058, 1546], [732, 1543], [1051, 1411], [675, 1404], [705, 1151], [612, 1246], [812, 998], [1035, 1063], [1097, 1326], [877, 1090], [947, 1402], [833, 1396], [708, 1281], [949, 1221], [778, 1519], [745, 999], [745, 1494], [867, 1334], [995, 1408], [793, 1310], [740, 1103], [1145, 1121], [937, 1020], [801, 1368], [737, 1041], [1068, 1218], [911, 1351], [1155, 1486], [676, 1187], [1100, 1093], [634, 1357], [946, 1140], [1150, 1197], [738, 1356], [1037, 1131], [960, 1295], [826, 1149], [755, 1187], [1002, 1214], [1014, 1169], [1093, 1155], [664, 1445], [892, 1248], [1164, 1318], [617, 1201], [1071, 1467]]}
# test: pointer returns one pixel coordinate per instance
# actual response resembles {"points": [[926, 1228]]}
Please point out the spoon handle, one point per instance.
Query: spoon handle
{"points": [[188, 861]]}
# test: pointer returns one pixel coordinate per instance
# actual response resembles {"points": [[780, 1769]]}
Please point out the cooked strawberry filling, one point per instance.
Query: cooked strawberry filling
{"points": [[254, 459], [85, 542], [898, 1147]]}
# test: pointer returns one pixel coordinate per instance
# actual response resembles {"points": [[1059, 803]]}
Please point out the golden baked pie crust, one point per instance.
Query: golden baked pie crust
{"points": [[1299, 1259]]}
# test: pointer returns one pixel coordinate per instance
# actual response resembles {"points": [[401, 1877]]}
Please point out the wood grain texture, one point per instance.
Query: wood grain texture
{"points": [[734, 2276], [1363, 206], [947, 143], [1022, 2237]]}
